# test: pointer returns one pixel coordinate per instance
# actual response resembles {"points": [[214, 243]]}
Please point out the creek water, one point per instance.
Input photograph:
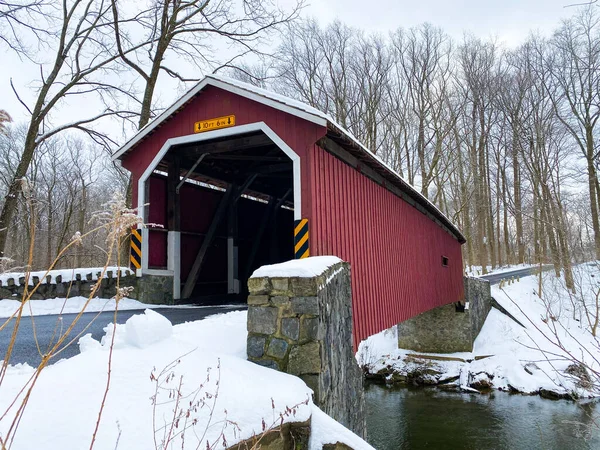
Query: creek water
{"points": [[421, 418]]}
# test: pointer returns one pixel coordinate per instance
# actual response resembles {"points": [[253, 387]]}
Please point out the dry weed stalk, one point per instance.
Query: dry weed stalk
{"points": [[187, 408], [277, 422], [116, 220]]}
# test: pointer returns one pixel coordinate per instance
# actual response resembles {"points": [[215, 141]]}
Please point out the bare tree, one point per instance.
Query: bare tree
{"points": [[67, 181], [190, 30], [313, 65], [82, 61], [18, 17], [423, 55], [478, 61], [574, 63], [370, 68], [515, 84]]}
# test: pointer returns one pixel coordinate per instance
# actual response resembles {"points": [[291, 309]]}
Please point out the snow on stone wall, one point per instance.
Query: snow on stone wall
{"points": [[60, 276]]}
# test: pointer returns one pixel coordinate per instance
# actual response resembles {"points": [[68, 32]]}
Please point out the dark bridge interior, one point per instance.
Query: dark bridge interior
{"points": [[232, 200]]}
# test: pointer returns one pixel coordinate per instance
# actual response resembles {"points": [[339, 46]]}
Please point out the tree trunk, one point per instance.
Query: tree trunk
{"points": [[498, 234], [81, 222], [14, 189], [536, 226], [592, 188], [489, 210], [564, 251], [49, 254], [421, 153], [517, 194], [546, 213], [482, 209], [509, 254], [464, 198]]}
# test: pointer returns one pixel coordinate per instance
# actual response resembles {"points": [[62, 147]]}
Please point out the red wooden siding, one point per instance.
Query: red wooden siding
{"points": [[395, 251]]}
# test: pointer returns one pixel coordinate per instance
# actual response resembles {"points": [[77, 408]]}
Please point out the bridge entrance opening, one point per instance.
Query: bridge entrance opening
{"points": [[219, 206]]}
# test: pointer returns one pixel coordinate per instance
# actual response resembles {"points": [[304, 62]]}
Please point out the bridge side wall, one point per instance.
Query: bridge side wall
{"points": [[149, 289], [395, 250]]}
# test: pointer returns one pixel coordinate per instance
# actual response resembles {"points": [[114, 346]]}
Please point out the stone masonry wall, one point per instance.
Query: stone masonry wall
{"points": [[446, 329], [80, 286], [440, 330], [478, 293], [303, 326], [152, 289]]}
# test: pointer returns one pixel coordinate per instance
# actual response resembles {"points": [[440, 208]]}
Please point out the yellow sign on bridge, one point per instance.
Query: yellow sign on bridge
{"points": [[214, 124]]}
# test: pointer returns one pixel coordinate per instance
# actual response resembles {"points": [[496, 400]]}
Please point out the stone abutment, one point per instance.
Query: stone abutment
{"points": [[302, 325], [449, 328]]}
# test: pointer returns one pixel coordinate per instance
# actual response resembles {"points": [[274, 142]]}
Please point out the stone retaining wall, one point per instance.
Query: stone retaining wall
{"points": [[151, 289], [448, 328], [80, 286], [303, 326]]}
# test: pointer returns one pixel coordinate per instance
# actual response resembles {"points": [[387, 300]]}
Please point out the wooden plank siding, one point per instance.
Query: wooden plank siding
{"points": [[395, 251]]}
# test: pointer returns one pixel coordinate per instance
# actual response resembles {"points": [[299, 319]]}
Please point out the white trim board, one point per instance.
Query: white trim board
{"points": [[193, 138]]}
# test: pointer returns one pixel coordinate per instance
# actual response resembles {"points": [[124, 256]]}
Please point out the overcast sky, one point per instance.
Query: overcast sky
{"points": [[508, 20]]}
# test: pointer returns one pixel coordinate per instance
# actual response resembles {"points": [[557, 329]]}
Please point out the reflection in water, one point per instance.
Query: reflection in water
{"points": [[404, 418]]}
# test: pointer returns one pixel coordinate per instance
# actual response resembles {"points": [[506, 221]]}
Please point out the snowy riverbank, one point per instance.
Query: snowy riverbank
{"points": [[544, 356], [224, 399]]}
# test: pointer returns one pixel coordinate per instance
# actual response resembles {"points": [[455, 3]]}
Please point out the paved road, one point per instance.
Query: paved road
{"points": [[495, 278], [25, 350]]}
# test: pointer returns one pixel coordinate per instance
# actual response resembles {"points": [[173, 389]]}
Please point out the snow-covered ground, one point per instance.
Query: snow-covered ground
{"points": [[67, 275], [194, 376], [73, 305], [556, 333]]}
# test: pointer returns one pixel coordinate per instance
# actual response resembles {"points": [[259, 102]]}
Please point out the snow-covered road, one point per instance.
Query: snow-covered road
{"points": [[496, 277], [26, 350]]}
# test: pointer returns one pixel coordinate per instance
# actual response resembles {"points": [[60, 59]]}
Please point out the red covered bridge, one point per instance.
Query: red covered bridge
{"points": [[238, 177]]}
